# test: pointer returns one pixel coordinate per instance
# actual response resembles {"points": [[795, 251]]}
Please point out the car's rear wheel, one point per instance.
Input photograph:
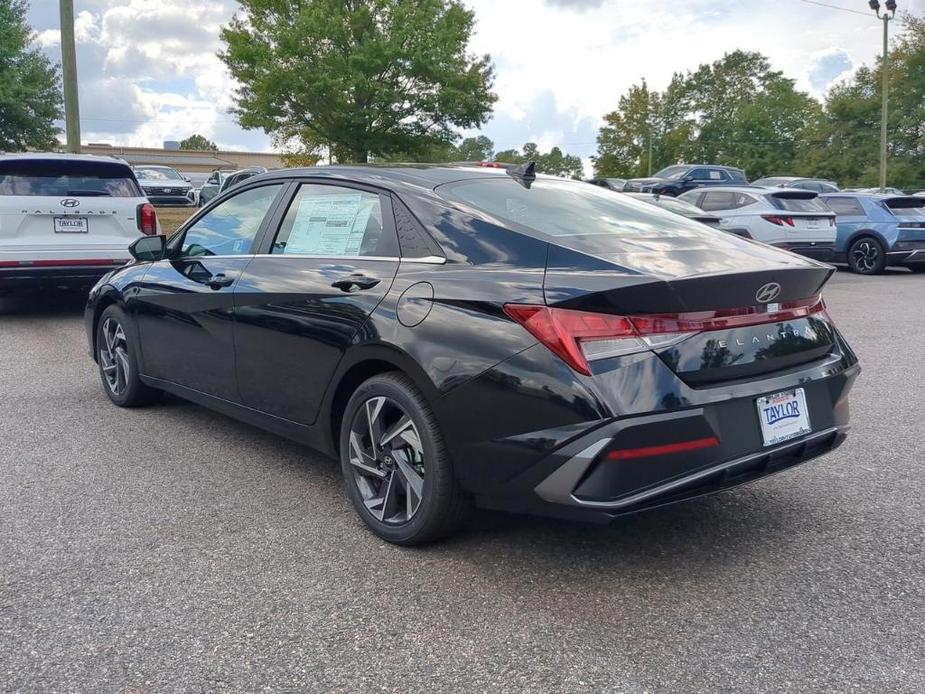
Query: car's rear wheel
{"points": [[866, 256], [116, 355], [398, 473]]}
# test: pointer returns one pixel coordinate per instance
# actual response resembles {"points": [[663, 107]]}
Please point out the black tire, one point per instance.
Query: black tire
{"points": [[117, 359], [866, 256], [443, 507]]}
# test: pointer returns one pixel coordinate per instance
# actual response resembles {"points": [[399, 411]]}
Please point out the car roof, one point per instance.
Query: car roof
{"points": [[396, 175], [739, 189], [62, 156]]}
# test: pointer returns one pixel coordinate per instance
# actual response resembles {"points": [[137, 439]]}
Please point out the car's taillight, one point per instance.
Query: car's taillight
{"points": [[580, 337], [146, 218], [779, 220]]}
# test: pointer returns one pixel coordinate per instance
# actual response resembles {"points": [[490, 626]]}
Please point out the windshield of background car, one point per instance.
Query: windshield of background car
{"points": [[63, 177], [582, 217], [798, 204], [157, 174], [672, 172]]}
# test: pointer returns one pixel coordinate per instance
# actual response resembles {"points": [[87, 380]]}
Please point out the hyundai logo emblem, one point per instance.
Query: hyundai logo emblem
{"points": [[70, 202], [768, 293]]}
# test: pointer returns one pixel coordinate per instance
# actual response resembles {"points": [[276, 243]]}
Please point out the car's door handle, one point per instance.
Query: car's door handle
{"points": [[220, 280], [352, 283]]}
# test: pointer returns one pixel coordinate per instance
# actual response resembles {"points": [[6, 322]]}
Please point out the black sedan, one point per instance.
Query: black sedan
{"points": [[472, 337]]}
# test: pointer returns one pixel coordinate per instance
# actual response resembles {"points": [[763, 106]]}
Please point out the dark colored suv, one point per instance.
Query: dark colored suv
{"points": [[463, 337], [674, 180]]}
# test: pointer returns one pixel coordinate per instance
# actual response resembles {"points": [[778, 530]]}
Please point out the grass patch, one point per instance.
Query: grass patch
{"points": [[173, 217]]}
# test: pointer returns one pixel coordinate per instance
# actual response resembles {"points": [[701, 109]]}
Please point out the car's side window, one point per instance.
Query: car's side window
{"points": [[334, 221], [230, 228], [718, 201], [848, 207], [743, 200]]}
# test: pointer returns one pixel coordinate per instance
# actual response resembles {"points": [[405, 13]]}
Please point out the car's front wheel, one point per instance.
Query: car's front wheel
{"points": [[398, 472], [116, 355], [866, 256]]}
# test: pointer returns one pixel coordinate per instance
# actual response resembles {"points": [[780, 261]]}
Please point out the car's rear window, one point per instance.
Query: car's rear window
{"points": [[793, 203], [594, 219], [63, 177]]}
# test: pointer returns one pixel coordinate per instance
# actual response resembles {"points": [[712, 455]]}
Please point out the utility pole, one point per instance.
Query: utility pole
{"points": [[888, 15], [69, 70]]}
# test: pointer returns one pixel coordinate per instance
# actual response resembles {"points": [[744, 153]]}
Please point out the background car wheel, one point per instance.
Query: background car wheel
{"points": [[116, 356], [398, 473], [866, 256]]}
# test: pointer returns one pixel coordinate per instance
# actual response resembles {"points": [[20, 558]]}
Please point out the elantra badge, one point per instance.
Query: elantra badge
{"points": [[768, 292], [70, 202]]}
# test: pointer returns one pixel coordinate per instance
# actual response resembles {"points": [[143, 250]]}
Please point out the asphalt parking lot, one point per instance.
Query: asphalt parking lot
{"points": [[172, 549]]}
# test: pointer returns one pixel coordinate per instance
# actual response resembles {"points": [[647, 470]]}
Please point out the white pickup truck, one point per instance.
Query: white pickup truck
{"points": [[67, 219]]}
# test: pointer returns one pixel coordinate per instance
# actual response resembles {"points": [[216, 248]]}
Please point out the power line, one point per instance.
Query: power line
{"points": [[837, 7]]}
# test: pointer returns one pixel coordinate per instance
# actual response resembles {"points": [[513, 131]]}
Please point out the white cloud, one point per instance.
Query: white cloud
{"points": [[149, 69]]}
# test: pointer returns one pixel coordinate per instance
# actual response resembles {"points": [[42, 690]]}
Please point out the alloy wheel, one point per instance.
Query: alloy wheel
{"points": [[866, 256], [387, 460], [114, 356]]}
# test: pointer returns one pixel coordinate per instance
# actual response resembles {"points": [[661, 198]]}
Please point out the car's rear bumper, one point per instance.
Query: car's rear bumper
{"points": [[906, 257], [49, 274], [579, 480], [823, 251]]}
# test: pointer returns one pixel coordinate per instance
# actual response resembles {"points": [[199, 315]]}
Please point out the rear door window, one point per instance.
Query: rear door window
{"points": [[719, 200], [67, 177], [848, 207], [335, 221]]}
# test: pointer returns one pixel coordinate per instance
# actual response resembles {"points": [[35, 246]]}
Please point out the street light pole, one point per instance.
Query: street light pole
{"points": [[69, 70], [885, 80]]}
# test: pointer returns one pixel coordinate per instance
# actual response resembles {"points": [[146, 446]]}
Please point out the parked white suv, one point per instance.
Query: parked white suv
{"points": [[795, 220], [66, 219]]}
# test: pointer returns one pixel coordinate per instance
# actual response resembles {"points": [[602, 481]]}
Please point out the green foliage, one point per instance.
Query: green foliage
{"points": [[363, 77], [553, 162], [475, 149], [846, 142], [30, 88], [198, 142], [734, 111]]}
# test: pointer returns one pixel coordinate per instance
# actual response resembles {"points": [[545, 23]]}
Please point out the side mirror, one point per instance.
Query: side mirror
{"points": [[149, 248]]}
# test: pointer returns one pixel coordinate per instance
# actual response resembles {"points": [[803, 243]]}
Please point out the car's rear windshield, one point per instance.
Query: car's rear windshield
{"points": [[60, 177], [156, 174], [584, 217], [797, 203], [910, 206]]}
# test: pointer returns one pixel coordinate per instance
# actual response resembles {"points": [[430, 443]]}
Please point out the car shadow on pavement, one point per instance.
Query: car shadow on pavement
{"points": [[54, 303]]}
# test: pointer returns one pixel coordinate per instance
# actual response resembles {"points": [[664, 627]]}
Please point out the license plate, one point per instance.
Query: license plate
{"points": [[783, 416], [813, 223], [72, 225]]}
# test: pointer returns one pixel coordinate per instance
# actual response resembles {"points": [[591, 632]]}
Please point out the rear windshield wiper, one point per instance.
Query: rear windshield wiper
{"points": [[89, 193]]}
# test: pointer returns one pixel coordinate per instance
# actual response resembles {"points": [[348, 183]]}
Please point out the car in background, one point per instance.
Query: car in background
{"points": [[685, 209], [67, 219], [164, 185], [463, 336], [197, 180], [817, 185], [875, 191], [610, 183], [241, 175], [678, 179], [213, 185], [795, 220], [876, 231]]}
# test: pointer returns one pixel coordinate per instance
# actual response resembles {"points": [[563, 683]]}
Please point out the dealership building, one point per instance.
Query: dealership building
{"points": [[191, 161]]}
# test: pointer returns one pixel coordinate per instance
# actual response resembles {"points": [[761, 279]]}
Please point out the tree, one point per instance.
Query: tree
{"points": [[199, 142], [733, 111], [364, 77], [30, 87], [475, 149], [553, 162]]}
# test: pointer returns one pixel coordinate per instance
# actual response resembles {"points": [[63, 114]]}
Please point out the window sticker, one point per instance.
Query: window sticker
{"points": [[330, 224]]}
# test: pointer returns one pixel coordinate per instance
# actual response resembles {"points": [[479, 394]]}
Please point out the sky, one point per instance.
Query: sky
{"points": [[148, 69]]}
